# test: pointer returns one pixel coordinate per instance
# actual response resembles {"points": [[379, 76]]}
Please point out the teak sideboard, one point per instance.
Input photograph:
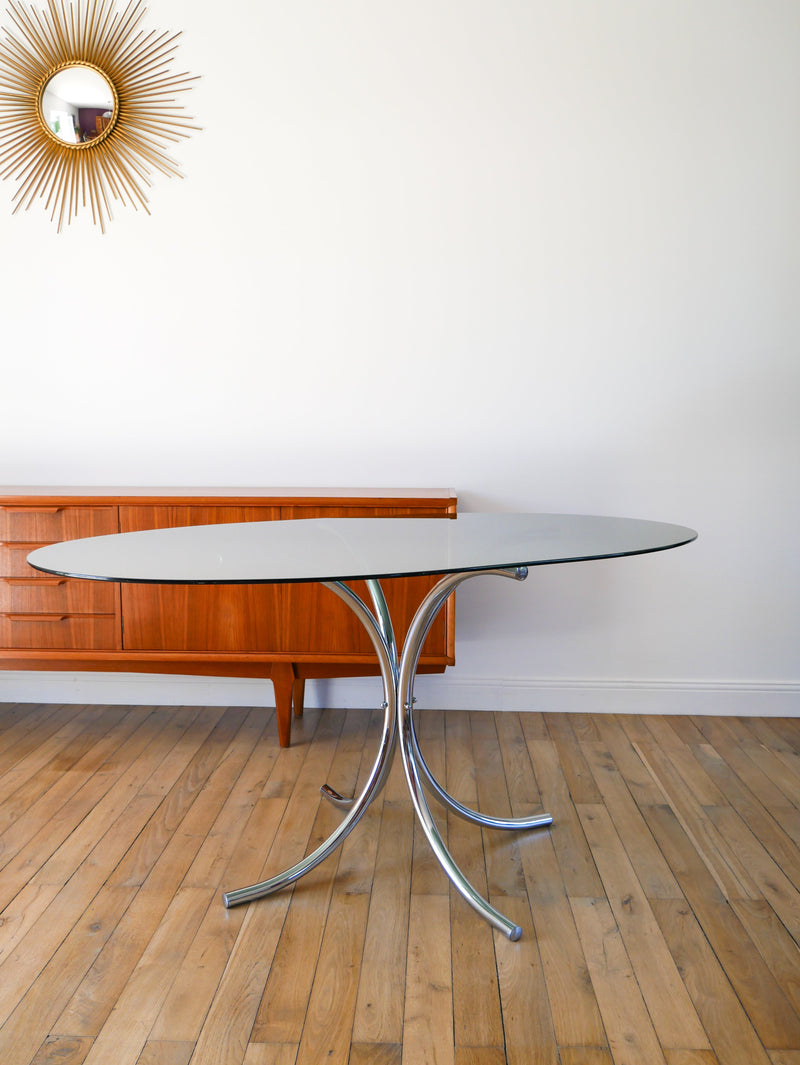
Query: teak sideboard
{"points": [[284, 632]]}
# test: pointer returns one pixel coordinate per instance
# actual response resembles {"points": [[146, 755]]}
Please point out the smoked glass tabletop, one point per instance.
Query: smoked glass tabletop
{"points": [[339, 549]]}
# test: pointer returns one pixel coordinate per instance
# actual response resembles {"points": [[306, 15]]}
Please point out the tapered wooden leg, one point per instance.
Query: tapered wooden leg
{"points": [[283, 680], [298, 694]]}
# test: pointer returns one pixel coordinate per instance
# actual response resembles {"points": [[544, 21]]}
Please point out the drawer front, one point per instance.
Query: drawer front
{"points": [[56, 595], [59, 632], [13, 561], [39, 611], [47, 525]]}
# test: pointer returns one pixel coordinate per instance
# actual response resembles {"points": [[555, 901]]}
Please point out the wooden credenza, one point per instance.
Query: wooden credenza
{"points": [[284, 632]]}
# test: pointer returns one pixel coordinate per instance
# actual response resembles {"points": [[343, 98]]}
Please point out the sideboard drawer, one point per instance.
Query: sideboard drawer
{"points": [[56, 595], [42, 524], [59, 631], [14, 561]]}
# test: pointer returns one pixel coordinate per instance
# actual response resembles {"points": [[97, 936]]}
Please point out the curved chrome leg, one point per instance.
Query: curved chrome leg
{"points": [[382, 617], [387, 661], [514, 824], [409, 749], [384, 620]]}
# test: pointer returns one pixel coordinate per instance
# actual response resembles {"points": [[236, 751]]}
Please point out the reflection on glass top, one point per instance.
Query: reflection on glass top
{"points": [[327, 549]]}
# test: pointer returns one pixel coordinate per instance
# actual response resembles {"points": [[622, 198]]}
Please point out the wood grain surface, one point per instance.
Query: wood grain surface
{"points": [[660, 913]]}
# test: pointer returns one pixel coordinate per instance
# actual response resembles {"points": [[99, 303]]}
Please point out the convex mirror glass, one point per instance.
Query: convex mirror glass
{"points": [[78, 104]]}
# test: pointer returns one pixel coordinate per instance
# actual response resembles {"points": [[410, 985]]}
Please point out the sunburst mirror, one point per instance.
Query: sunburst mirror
{"points": [[88, 106]]}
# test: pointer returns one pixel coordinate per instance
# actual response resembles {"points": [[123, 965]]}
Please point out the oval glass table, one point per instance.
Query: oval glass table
{"points": [[333, 551]]}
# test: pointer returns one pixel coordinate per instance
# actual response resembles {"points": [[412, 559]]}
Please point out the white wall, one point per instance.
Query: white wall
{"points": [[546, 254]]}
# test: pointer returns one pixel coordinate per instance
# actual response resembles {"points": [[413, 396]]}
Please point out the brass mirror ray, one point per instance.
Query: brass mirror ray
{"points": [[69, 155]]}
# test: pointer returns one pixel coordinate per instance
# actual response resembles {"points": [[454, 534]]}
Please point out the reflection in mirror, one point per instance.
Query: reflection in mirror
{"points": [[77, 104]]}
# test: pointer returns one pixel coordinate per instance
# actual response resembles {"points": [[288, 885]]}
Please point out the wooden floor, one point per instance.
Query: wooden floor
{"points": [[661, 913]]}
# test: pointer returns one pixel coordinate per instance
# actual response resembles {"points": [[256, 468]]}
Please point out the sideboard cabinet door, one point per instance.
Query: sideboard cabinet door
{"points": [[201, 617], [316, 618]]}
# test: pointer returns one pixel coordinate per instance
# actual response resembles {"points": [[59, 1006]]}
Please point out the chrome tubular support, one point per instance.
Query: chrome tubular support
{"points": [[384, 620], [398, 686], [514, 824], [382, 617], [379, 770], [423, 619]]}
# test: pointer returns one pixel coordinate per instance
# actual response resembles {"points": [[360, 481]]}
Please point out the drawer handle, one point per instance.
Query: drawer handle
{"points": [[57, 617], [34, 582], [32, 510]]}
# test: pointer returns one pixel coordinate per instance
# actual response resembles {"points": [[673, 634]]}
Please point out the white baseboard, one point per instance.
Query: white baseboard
{"points": [[601, 696], [448, 692]]}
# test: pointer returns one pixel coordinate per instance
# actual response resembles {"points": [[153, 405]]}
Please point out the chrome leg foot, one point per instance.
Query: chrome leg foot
{"points": [[333, 797]]}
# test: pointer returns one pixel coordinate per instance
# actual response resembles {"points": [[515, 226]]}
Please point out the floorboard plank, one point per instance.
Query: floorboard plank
{"points": [[573, 1004], [62, 1050], [477, 1020], [722, 860], [270, 1054], [776, 946], [732, 1036], [631, 1036], [225, 1034], [124, 1034], [328, 1029], [379, 1007], [527, 1018], [282, 1011], [428, 1018], [667, 1000], [652, 870], [574, 857], [579, 779], [767, 1007]]}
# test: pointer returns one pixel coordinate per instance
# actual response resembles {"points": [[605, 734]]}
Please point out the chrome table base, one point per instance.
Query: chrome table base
{"points": [[398, 674]]}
